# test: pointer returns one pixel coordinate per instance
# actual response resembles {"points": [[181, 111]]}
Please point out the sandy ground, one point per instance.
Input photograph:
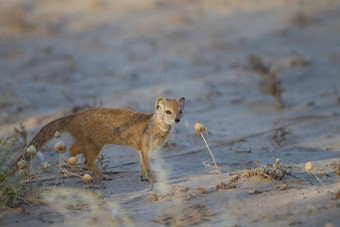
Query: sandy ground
{"points": [[57, 56]]}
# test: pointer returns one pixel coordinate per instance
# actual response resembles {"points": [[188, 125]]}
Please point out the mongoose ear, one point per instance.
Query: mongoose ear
{"points": [[182, 102], [160, 102]]}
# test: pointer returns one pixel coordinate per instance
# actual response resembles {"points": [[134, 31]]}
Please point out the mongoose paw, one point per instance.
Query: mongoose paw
{"points": [[106, 177], [152, 183]]}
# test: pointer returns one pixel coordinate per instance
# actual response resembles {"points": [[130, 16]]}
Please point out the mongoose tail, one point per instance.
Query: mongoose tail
{"points": [[47, 132]]}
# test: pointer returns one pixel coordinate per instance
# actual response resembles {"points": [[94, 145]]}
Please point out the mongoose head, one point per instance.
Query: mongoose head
{"points": [[169, 111]]}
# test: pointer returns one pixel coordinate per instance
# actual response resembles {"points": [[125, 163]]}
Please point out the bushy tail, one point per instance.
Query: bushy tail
{"points": [[47, 132]]}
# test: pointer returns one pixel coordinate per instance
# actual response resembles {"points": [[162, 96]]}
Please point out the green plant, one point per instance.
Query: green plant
{"points": [[12, 190]]}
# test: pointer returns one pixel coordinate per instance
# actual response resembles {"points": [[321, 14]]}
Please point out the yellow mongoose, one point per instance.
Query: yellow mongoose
{"points": [[93, 128]]}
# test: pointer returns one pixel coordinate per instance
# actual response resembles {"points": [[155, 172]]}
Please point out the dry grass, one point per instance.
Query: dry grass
{"points": [[75, 206], [275, 171], [336, 166], [12, 189], [270, 83], [309, 168], [199, 128], [280, 134]]}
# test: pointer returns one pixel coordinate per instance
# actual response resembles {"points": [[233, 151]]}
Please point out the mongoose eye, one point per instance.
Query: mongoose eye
{"points": [[168, 112], [180, 111]]}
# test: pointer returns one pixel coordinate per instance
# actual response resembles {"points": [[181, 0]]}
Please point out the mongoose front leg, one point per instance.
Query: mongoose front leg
{"points": [[142, 167], [147, 166]]}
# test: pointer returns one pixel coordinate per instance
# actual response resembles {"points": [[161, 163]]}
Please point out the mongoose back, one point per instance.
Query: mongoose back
{"points": [[93, 128]]}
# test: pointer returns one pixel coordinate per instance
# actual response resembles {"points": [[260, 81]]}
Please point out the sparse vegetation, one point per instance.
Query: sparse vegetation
{"points": [[199, 128], [276, 171], [270, 83], [12, 189], [336, 166], [280, 135], [309, 168], [60, 57]]}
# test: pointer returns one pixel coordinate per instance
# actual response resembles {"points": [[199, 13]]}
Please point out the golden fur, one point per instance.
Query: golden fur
{"points": [[93, 128]]}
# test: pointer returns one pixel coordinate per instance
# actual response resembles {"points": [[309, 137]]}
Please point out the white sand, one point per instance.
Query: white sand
{"points": [[57, 54]]}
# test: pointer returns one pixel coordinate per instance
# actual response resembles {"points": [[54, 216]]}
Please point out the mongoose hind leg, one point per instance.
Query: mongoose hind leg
{"points": [[90, 156], [73, 151], [90, 165]]}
